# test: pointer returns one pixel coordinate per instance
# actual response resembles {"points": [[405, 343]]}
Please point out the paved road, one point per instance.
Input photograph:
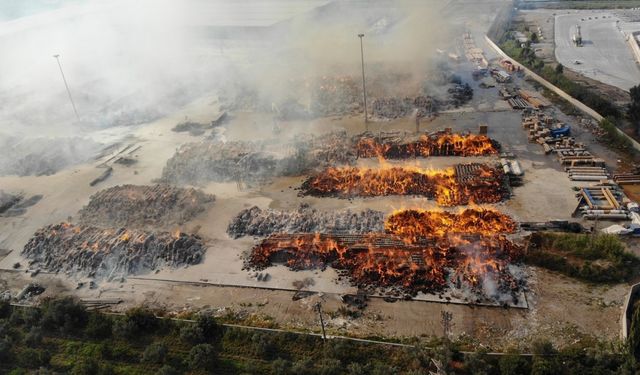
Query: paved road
{"points": [[605, 56]]}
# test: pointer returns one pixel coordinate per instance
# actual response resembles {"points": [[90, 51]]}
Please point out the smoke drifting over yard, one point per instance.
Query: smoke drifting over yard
{"points": [[130, 62]]}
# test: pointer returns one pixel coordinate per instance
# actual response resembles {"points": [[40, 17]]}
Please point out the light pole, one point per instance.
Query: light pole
{"points": [[364, 87], [67, 86]]}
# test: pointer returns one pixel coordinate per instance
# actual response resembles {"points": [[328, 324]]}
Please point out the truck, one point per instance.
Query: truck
{"points": [[577, 37]]}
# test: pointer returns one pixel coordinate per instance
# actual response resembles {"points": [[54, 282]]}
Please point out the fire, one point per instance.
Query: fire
{"points": [[421, 251], [464, 184], [415, 224], [440, 144]]}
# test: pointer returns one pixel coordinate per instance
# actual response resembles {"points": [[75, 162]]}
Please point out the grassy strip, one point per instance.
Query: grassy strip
{"points": [[581, 4], [599, 259]]}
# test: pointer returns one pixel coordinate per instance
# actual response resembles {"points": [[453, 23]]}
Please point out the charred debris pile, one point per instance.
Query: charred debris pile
{"points": [[141, 206], [108, 253], [258, 222], [256, 161]]}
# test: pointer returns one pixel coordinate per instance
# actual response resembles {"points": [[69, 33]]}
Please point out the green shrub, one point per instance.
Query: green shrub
{"points": [[64, 315], [99, 326], [202, 357], [155, 353], [5, 309], [137, 322], [32, 358], [34, 337]]}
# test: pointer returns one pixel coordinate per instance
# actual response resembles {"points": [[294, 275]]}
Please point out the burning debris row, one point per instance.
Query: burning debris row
{"points": [[376, 262], [144, 206], [257, 222], [402, 146], [108, 253], [463, 184], [415, 224], [207, 161]]}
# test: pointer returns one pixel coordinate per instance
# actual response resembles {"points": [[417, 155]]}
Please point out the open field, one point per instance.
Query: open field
{"points": [[605, 55]]}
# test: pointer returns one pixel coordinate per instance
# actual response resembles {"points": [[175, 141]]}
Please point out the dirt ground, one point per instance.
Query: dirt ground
{"points": [[560, 309]]}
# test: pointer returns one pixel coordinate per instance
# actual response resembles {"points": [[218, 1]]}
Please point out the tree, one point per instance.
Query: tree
{"points": [[634, 107], [206, 329], [65, 315], [99, 326], [168, 370], [34, 337], [155, 353], [512, 363], [202, 356], [5, 309], [634, 333], [138, 321]]}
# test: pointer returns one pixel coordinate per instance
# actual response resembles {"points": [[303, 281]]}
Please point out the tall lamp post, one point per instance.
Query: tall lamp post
{"points": [[364, 88], [57, 57]]}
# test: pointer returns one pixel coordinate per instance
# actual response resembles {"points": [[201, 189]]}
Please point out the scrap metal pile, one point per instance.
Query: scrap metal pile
{"points": [[403, 146], [257, 222], [98, 252], [463, 184], [421, 251], [198, 163], [144, 206]]}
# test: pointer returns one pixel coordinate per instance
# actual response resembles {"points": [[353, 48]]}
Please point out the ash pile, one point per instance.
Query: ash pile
{"points": [[15, 204], [144, 206], [392, 108], [43, 156], [336, 95], [199, 163], [107, 253], [255, 221]]}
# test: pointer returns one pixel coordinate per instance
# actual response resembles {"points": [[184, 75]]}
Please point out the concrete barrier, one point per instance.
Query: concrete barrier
{"points": [[631, 39], [627, 310], [576, 103]]}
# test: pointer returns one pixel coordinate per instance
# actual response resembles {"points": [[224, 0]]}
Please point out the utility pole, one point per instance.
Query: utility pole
{"points": [[447, 317], [67, 86], [364, 88], [324, 334]]}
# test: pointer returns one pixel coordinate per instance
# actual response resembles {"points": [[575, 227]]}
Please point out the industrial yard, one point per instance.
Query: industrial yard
{"points": [[283, 193]]}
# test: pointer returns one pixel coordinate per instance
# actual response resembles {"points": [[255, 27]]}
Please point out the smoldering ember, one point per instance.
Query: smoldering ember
{"points": [[416, 179], [108, 253]]}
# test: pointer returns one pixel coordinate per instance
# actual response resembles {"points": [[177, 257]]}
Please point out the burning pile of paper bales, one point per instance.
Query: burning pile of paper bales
{"points": [[107, 253], [257, 222], [144, 206], [198, 163]]}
